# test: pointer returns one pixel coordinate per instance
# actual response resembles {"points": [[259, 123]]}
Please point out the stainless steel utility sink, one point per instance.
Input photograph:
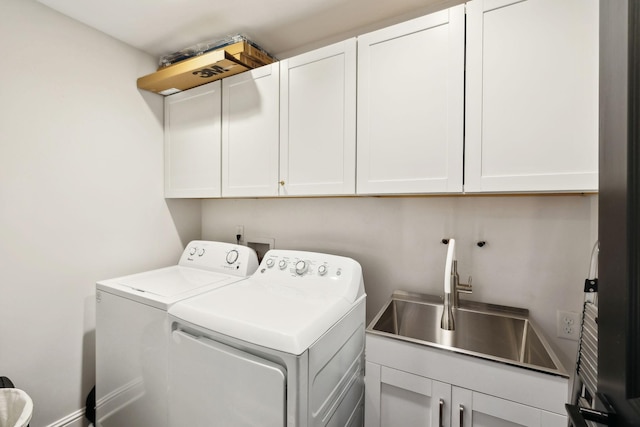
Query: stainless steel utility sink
{"points": [[493, 332]]}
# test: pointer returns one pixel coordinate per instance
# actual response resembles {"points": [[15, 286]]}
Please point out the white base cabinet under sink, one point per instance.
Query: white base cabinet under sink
{"points": [[411, 385]]}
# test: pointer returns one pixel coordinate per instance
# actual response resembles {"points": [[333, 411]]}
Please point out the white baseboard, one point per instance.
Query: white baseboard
{"points": [[75, 419]]}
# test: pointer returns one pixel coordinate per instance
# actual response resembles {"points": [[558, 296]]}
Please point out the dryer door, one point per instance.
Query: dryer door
{"points": [[212, 384]]}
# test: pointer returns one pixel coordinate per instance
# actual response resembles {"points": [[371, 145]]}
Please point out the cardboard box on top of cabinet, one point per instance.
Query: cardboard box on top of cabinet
{"points": [[205, 68]]}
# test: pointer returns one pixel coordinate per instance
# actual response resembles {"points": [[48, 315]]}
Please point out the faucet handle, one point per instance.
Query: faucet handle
{"points": [[465, 288]]}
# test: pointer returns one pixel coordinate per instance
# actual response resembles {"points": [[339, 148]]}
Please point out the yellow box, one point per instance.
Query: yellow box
{"points": [[245, 48], [248, 61], [192, 72], [208, 67]]}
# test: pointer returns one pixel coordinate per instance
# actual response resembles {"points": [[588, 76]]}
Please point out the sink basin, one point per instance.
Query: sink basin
{"points": [[493, 332]]}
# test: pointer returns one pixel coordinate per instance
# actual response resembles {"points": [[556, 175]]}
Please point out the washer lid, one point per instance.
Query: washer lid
{"points": [[163, 287], [171, 281], [276, 317]]}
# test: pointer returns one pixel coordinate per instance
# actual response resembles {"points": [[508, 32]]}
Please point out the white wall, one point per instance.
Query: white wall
{"points": [[81, 196], [537, 253]]}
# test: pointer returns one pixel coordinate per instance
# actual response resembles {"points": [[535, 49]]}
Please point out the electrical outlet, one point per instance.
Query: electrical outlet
{"points": [[568, 325], [240, 232]]}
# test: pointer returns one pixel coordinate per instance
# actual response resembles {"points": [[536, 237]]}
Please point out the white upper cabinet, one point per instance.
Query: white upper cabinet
{"points": [[250, 133], [525, 119], [411, 105], [532, 96], [192, 143], [318, 122]]}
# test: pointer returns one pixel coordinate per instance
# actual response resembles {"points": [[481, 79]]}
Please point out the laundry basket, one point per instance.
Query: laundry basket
{"points": [[16, 407]]}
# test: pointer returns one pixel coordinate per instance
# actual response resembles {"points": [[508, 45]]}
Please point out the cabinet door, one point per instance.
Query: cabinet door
{"points": [[192, 142], [470, 408], [532, 96], [397, 398], [318, 122], [250, 133], [411, 106]]}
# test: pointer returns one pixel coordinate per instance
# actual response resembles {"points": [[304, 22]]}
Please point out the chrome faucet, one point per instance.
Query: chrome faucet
{"points": [[447, 322], [453, 286], [459, 288]]}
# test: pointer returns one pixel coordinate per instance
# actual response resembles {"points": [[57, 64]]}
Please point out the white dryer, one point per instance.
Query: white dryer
{"points": [[282, 348], [132, 330]]}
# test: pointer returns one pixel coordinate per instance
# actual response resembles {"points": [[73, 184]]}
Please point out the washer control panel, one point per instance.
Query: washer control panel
{"points": [[220, 256], [302, 264], [310, 275]]}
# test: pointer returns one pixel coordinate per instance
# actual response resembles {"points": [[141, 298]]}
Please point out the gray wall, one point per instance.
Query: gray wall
{"points": [[537, 255], [81, 196]]}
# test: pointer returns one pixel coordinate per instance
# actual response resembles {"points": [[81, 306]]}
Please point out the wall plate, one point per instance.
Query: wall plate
{"points": [[568, 325], [260, 244]]}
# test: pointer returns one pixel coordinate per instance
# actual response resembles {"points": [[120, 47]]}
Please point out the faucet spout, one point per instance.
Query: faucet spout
{"points": [[447, 322]]}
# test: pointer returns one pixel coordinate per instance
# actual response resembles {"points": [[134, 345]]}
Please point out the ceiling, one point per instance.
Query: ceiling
{"points": [[279, 26]]}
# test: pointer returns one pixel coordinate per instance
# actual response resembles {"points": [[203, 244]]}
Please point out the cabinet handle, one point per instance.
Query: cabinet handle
{"points": [[461, 416], [282, 183], [440, 410]]}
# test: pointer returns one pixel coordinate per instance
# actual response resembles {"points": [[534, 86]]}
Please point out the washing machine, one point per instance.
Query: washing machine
{"points": [[132, 329], [282, 348]]}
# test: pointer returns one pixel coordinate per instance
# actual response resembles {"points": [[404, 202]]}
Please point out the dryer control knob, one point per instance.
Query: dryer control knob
{"points": [[192, 251], [322, 270], [201, 252], [301, 267], [282, 264], [232, 256], [270, 262]]}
